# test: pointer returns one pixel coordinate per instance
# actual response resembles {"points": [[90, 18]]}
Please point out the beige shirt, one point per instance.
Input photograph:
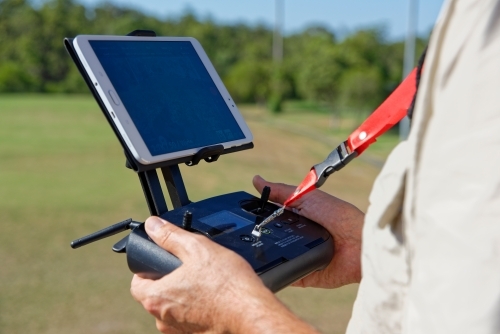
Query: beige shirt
{"points": [[431, 240]]}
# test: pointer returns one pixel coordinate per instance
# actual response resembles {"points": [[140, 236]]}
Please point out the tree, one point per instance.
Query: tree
{"points": [[357, 72], [248, 81]]}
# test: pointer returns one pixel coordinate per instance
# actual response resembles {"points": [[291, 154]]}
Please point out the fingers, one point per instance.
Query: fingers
{"points": [[312, 280], [139, 288], [170, 237], [166, 329], [144, 292], [279, 191]]}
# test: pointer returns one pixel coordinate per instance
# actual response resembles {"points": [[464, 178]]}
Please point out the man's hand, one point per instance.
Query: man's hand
{"points": [[344, 222], [213, 291]]}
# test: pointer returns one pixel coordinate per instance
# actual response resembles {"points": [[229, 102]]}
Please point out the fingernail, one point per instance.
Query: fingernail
{"points": [[154, 223]]}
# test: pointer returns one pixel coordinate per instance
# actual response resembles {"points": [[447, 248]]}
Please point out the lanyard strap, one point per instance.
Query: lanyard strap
{"points": [[388, 114]]}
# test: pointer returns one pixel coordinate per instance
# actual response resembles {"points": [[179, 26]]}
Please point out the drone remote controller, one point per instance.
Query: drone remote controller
{"points": [[289, 248]]}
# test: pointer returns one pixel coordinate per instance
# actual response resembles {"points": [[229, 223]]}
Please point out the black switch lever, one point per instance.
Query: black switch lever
{"points": [[264, 198]]}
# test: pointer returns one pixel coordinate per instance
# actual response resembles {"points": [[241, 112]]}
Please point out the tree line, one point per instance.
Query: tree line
{"points": [[356, 71]]}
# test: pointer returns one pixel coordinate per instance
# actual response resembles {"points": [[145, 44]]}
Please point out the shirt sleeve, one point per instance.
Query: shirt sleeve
{"points": [[452, 215]]}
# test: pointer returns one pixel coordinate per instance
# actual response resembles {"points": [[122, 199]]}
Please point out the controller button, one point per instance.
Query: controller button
{"points": [[114, 98], [290, 220], [266, 230], [247, 238]]}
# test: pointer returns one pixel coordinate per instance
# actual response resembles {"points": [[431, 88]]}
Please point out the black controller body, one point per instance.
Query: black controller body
{"points": [[290, 247]]}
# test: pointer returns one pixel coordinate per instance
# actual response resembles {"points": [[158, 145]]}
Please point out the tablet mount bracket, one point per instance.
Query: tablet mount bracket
{"points": [[151, 187]]}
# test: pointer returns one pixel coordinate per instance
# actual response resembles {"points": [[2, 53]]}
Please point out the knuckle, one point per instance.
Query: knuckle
{"points": [[162, 327], [198, 245], [149, 306], [165, 236], [198, 239], [133, 292], [195, 243]]}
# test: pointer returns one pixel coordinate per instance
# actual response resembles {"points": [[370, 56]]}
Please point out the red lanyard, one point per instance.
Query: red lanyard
{"points": [[388, 114]]}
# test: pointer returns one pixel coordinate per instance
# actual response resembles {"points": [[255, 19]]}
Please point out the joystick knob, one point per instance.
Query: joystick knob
{"points": [[187, 220]]}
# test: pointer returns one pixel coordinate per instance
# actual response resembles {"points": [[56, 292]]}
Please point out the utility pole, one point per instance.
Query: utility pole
{"points": [[409, 58], [279, 9]]}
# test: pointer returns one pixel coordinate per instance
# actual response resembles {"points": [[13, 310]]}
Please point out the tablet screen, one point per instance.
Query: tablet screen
{"points": [[168, 93]]}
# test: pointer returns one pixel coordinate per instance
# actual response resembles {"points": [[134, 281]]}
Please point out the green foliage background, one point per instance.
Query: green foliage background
{"points": [[355, 72]]}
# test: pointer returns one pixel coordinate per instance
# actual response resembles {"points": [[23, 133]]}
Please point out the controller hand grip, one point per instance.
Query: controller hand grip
{"points": [[146, 258]]}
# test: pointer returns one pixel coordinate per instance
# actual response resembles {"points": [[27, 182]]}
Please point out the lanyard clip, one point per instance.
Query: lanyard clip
{"points": [[335, 161], [318, 174]]}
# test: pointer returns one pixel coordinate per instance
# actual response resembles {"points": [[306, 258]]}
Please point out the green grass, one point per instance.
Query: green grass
{"points": [[62, 175], [313, 120]]}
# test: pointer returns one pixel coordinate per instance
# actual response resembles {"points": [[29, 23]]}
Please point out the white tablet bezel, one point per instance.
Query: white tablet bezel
{"points": [[118, 112]]}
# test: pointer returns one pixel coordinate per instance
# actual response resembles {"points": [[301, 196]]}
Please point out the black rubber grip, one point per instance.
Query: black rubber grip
{"points": [[146, 258]]}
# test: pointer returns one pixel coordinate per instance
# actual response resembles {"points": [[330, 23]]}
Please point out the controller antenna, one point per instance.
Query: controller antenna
{"points": [[187, 220], [105, 232]]}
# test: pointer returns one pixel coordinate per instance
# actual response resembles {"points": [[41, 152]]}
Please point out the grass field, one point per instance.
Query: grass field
{"points": [[62, 176]]}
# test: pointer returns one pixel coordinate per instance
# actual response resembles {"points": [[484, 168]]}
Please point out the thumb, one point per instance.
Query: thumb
{"points": [[168, 236], [279, 191]]}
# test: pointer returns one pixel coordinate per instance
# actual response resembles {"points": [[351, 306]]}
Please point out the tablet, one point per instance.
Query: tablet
{"points": [[163, 94]]}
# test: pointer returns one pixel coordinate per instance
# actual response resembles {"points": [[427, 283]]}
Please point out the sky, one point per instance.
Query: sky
{"points": [[341, 16]]}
